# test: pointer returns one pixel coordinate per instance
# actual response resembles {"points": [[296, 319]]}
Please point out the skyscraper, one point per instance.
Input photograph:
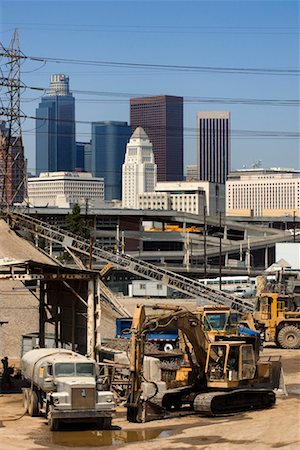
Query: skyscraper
{"points": [[109, 141], [213, 152], [13, 182], [139, 171], [55, 128], [162, 119]]}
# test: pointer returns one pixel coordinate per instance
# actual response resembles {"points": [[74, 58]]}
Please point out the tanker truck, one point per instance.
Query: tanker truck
{"points": [[63, 388]]}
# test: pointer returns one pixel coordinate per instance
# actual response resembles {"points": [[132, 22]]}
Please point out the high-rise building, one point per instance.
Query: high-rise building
{"points": [[139, 172], [83, 151], [192, 172], [88, 157], [13, 182], [213, 146], [109, 141], [55, 128], [162, 119]]}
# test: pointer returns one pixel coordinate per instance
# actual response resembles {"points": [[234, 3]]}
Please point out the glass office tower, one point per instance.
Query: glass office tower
{"points": [[55, 128], [109, 141]]}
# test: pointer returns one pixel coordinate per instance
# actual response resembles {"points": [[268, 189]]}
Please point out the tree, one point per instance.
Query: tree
{"points": [[76, 224]]}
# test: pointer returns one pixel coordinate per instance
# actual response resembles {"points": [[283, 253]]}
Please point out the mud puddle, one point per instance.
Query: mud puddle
{"points": [[293, 389], [99, 438]]}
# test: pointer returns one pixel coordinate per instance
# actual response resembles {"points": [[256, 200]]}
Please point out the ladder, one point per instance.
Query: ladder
{"points": [[186, 285]]}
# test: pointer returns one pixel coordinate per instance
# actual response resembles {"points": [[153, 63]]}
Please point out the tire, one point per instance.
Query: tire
{"points": [[33, 405], [54, 424], [168, 347], [289, 337], [104, 423]]}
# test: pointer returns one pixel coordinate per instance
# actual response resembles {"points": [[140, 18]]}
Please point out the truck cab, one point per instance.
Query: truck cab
{"points": [[63, 388]]}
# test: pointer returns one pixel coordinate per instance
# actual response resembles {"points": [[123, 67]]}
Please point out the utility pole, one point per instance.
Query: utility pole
{"points": [[13, 181], [204, 239], [220, 251]]}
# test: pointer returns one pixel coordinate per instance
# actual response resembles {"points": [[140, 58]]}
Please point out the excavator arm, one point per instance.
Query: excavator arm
{"points": [[185, 321]]}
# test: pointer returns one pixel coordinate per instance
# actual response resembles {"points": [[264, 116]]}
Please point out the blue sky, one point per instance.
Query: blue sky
{"points": [[238, 34]]}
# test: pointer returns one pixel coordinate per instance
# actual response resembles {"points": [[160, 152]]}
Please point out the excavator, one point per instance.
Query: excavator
{"points": [[225, 376]]}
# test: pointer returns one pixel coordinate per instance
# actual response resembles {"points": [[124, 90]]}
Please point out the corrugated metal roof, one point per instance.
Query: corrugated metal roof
{"points": [[14, 249]]}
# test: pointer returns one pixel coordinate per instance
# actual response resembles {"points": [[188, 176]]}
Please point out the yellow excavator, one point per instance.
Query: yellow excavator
{"points": [[225, 376]]}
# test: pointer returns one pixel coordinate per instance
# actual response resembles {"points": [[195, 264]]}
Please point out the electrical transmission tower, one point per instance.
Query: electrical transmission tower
{"points": [[13, 181]]}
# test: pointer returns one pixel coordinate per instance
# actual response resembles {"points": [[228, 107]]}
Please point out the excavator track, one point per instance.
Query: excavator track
{"points": [[221, 403]]}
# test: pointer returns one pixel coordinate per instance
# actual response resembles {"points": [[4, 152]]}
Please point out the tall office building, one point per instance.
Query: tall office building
{"points": [[13, 180], [162, 119], [55, 128], [109, 141], [139, 171], [213, 146], [83, 151]]}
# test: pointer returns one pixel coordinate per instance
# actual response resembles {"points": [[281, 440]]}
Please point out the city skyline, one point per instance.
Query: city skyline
{"points": [[241, 57]]}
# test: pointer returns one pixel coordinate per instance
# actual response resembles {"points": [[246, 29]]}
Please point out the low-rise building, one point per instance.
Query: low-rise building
{"points": [[260, 192], [186, 196], [64, 189]]}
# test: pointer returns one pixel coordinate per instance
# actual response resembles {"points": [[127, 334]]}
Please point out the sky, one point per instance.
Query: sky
{"points": [[207, 47]]}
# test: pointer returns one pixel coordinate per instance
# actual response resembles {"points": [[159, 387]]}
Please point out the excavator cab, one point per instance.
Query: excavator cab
{"points": [[217, 320], [229, 363]]}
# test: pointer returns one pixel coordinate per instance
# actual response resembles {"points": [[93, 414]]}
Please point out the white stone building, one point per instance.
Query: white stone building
{"points": [[186, 196], [271, 192], [64, 189], [139, 171]]}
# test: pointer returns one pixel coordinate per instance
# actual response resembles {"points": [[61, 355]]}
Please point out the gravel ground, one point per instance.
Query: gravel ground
{"points": [[278, 427]]}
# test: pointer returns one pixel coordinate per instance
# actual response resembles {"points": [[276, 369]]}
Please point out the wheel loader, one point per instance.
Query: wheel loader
{"points": [[277, 318]]}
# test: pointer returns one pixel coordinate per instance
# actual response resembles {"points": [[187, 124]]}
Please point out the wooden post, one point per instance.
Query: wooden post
{"points": [[91, 320], [42, 315], [73, 323]]}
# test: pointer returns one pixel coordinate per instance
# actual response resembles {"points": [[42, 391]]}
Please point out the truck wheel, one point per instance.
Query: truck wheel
{"points": [[289, 337], [54, 424], [168, 347], [33, 406], [107, 423], [104, 423]]}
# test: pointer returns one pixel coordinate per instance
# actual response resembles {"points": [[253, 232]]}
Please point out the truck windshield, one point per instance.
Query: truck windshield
{"points": [[73, 370], [85, 369]]}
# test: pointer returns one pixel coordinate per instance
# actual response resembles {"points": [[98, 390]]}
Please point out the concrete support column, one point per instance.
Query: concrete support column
{"points": [[91, 320], [226, 259], [225, 232], [266, 257]]}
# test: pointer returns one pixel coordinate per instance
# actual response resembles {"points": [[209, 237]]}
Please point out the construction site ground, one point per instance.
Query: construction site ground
{"points": [[278, 427]]}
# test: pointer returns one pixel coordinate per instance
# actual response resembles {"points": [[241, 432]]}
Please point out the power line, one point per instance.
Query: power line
{"points": [[190, 130], [172, 67], [125, 96], [165, 29]]}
